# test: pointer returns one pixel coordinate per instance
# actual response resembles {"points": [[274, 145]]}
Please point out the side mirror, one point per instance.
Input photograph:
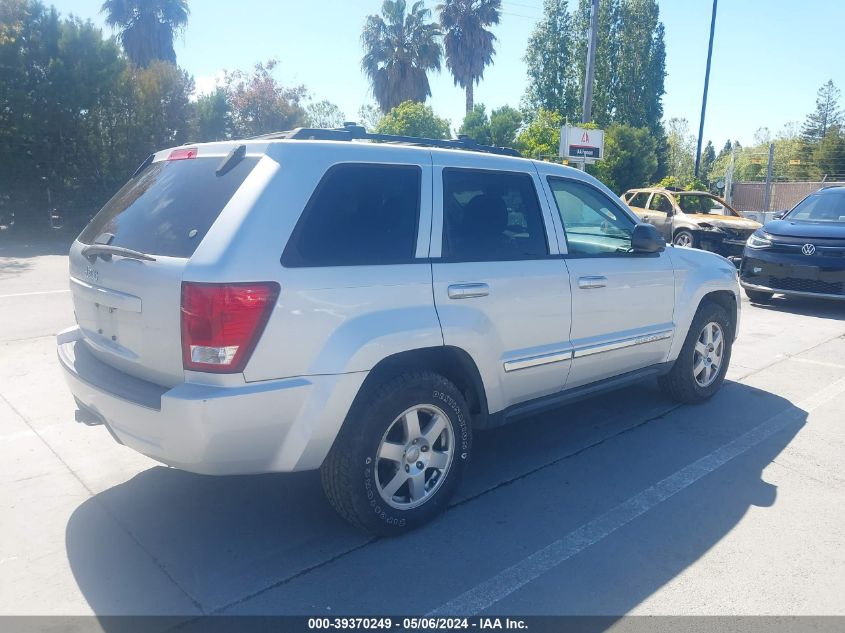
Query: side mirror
{"points": [[647, 239], [779, 215]]}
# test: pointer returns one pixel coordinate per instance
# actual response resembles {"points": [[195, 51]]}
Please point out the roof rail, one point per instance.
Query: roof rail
{"points": [[353, 132]]}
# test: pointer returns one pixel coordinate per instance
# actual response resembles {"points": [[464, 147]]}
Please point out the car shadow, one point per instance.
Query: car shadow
{"points": [[822, 308], [229, 541]]}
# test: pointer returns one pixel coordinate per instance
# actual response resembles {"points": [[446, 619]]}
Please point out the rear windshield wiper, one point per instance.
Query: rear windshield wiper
{"points": [[105, 251]]}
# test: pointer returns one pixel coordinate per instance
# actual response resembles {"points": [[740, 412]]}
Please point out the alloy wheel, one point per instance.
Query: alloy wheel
{"points": [[709, 354], [414, 456]]}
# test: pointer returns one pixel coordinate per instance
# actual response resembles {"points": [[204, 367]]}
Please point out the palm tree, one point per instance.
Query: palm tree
{"points": [[147, 27], [399, 50], [469, 46]]}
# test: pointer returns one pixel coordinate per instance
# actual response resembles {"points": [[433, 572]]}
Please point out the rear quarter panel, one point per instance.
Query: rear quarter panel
{"points": [[332, 319]]}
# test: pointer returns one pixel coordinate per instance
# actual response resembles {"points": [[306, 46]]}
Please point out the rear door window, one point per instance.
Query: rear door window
{"points": [[169, 207], [491, 216], [360, 214], [661, 203]]}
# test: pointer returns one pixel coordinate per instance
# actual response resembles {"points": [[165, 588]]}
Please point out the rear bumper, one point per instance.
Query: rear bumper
{"points": [[269, 426]]}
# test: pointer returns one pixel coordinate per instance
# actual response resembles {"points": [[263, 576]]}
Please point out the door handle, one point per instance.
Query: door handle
{"points": [[468, 291], [585, 283]]}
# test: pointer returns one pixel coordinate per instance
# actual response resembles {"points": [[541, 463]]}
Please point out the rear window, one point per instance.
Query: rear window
{"points": [[169, 207], [359, 215]]}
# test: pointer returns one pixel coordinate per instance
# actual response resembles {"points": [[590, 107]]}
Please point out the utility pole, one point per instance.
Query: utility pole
{"points": [[587, 107], [706, 85], [768, 195], [729, 177]]}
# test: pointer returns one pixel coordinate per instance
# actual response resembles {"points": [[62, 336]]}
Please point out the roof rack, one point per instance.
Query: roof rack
{"points": [[354, 132]]}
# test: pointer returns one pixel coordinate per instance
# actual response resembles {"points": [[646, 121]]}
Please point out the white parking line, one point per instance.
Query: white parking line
{"points": [[812, 361], [520, 574], [30, 294]]}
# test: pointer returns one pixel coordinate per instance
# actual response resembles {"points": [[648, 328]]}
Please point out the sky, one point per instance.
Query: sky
{"points": [[769, 57]]}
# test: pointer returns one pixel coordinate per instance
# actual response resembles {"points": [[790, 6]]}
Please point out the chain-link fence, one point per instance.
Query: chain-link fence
{"points": [[751, 196]]}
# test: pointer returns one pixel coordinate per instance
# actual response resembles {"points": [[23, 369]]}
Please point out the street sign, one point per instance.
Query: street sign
{"points": [[795, 161], [581, 144]]}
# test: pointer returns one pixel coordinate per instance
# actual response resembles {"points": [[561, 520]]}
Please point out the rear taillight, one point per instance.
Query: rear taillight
{"points": [[221, 323]]}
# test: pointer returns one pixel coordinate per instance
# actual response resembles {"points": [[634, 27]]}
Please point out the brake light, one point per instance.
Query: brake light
{"points": [[221, 323], [183, 153]]}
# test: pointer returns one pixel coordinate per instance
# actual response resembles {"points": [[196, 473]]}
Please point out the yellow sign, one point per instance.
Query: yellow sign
{"points": [[756, 161], [795, 162]]}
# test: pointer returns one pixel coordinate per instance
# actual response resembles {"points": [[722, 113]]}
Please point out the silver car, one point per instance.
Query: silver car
{"points": [[289, 303]]}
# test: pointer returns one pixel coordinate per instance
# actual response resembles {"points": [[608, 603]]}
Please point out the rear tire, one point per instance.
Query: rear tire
{"points": [[693, 378], [759, 296], [400, 455]]}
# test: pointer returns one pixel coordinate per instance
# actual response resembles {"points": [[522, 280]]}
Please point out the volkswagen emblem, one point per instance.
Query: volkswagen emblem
{"points": [[808, 249]]}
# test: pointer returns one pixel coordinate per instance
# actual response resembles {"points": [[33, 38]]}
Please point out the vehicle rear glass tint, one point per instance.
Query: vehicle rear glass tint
{"points": [[169, 207], [359, 215]]}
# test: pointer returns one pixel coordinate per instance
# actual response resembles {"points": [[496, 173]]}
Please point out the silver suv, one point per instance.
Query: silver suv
{"points": [[285, 303]]}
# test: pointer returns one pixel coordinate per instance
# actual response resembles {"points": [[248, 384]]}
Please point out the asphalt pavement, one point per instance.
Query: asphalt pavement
{"points": [[624, 504]]}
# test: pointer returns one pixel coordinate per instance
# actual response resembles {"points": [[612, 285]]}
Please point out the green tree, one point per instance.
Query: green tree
{"points": [[147, 27], [260, 104], [826, 114], [504, 125], [213, 115], [60, 90], [552, 81], [399, 49], [324, 114], [412, 118], [708, 157], [476, 125], [681, 151], [541, 137], [630, 158], [469, 46], [829, 154], [161, 114], [630, 65], [369, 116]]}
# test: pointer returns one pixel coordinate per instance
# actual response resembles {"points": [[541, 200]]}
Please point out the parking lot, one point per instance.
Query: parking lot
{"points": [[626, 503]]}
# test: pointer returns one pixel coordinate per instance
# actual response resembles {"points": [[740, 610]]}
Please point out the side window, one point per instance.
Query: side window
{"points": [[491, 216], [594, 225], [358, 215], [639, 200], [661, 203]]}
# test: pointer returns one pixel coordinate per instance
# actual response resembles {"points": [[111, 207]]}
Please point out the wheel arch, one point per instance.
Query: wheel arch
{"points": [[449, 361], [725, 299]]}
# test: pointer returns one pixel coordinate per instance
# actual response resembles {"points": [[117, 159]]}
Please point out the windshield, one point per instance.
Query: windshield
{"points": [[708, 205], [828, 206], [167, 208]]}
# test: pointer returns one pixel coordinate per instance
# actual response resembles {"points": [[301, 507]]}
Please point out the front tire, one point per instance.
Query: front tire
{"points": [[700, 368], [684, 238], [400, 455]]}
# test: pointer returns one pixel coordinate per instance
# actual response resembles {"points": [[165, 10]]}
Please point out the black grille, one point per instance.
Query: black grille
{"points": [[806, 285]]}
